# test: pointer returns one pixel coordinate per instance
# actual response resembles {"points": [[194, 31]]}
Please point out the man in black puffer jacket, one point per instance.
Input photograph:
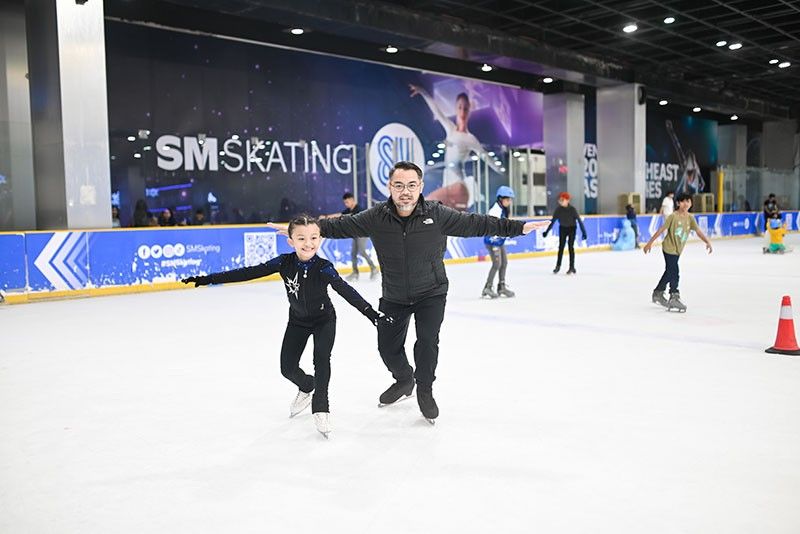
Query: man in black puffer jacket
{"points": [[410, 237]]}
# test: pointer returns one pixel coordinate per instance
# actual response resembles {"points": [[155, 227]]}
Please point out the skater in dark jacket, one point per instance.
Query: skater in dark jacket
{"points": [[568, 219], [306, 277], [410, 238]]}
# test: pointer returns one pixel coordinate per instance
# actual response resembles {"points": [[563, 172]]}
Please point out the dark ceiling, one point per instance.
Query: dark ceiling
{"points": [[683, 50], [578, 42]]}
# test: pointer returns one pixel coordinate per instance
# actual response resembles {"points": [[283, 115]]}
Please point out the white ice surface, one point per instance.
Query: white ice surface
{"points": [[577, 407]]}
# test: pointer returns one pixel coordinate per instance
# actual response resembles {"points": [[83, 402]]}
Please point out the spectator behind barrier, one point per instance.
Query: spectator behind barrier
{"points": [[141, 214], [115, 222], [166, 218]]}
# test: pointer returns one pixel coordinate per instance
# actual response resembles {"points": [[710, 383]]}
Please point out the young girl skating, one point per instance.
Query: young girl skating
{"points": [[306, 277]]}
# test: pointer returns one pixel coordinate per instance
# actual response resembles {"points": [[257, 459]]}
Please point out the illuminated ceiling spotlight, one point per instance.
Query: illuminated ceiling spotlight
{"points": [[201, 138], [697, 109], [137, 155], [773, 61], [784, 65], [486, 67], [547, 80], [144, 134], [131, 138], [663, 102], [721, 43], [392, 49], [734, 117], [669, 20], [430, 162], [297, 31], [630, 28], [734, 46], [441, 145]]}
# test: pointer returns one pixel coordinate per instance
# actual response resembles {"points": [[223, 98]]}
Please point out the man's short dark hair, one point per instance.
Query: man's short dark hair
{"points": [[406, 166], [683, 196], [670, 193], [347, 195]]}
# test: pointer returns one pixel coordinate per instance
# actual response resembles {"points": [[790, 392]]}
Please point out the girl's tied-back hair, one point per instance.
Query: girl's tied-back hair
{"points": [[301, 220]]}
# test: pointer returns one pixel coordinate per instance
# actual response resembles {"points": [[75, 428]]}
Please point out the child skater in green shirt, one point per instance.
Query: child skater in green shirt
{"points": [[677, 227]]}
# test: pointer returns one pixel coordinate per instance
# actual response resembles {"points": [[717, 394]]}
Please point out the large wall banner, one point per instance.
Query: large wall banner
{"points": [[681, 153], [253, 133]]}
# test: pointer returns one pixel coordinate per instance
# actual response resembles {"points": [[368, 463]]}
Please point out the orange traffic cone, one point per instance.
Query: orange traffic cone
{"points": [[785, 342]]}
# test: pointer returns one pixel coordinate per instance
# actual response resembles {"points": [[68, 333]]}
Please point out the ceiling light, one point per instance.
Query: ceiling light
{"points": [[696, 109], [137, 155], [486, 67], [441, 145], [722, 43], [669, 20], [784, 65], [131, 138], [297, 31], [436, 154], [391, 49], [516, 154], [491, 153], [734, 117], [662, 102], [735, 46], [430, 162], [773, 61], [548, 80], [630, 28]]}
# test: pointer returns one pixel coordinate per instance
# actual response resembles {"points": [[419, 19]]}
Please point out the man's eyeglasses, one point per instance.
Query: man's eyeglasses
{"points": [[399, 187]]}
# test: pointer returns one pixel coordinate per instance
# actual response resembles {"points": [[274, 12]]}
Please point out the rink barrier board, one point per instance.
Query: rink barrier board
{"points": [[42, 265]]}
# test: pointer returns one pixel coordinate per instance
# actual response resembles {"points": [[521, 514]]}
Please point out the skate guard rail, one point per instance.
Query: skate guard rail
{"points": [[54, 264]]}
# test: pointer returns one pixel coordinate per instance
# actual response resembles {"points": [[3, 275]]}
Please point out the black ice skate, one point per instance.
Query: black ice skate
{"points": [[489, 292], [658, 297], [373, 274], [675, 304], [503, 291], [352, 277], [395, 392], [427, 404], [558, 268], [572, 271]]}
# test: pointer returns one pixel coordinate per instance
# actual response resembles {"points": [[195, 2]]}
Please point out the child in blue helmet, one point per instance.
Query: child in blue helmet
{"points": [[496, 247]]}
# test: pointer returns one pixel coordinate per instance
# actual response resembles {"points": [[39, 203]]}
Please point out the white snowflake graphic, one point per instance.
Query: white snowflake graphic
{"points": [[294, 286]]}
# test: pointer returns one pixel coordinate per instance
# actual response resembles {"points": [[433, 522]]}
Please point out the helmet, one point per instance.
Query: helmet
{"points": [[775, 223], [505, 191]]}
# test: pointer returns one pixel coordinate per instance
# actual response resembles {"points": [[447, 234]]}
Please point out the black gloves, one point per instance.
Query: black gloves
{"points": [[197, 280], [583, 237], [545, 233], [378, 318]]}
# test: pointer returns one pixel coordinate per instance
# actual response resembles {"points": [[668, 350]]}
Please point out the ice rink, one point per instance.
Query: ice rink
{"points": [[577, 407]]}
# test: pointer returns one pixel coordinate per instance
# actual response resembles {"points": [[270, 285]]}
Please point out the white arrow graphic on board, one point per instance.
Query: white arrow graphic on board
{"points": [[50, 260], [42, 261]]}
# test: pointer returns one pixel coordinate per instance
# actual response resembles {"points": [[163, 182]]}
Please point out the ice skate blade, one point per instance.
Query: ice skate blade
{"points": [[324, 434], [401, 399], [679, 310], [430, 421]]}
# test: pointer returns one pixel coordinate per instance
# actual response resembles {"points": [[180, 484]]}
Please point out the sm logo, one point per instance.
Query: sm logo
{"points": [[392, 143]]}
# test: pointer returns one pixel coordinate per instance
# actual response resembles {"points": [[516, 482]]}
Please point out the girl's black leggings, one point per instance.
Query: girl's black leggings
{"points": [[294, 342]]}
